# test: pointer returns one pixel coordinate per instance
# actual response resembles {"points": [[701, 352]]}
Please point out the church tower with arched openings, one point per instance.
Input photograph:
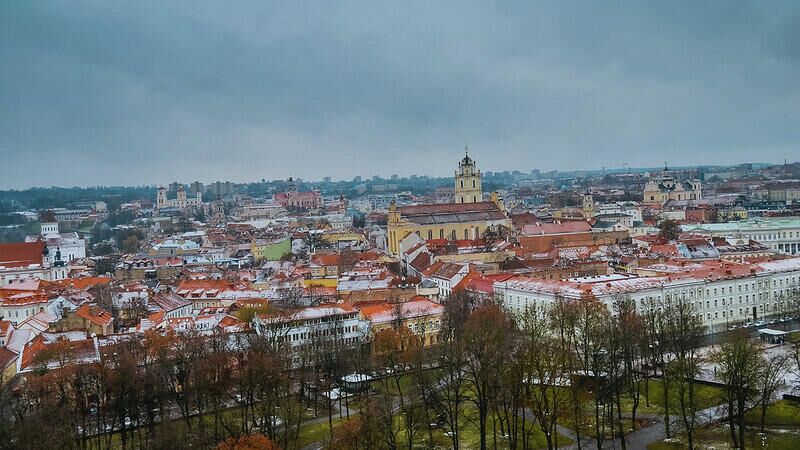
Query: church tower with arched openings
{"points": [[468, 181]]}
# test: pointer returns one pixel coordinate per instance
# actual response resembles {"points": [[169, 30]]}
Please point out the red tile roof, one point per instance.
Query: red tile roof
{"points": [[7, 357], [417, 306], [485, 284], [421, 262], [330, 259], [444, 270], [31, 349], [4, 326], [84, 282], [21, 254], [191, 285], [94, 314], [557, 228]]}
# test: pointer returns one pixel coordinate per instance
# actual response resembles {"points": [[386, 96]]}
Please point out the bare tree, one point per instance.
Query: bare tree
{"points": [[739, 361], [774, 368], [591, 318], [684, 334], [486, 333], [548, 371], [450, 396]]}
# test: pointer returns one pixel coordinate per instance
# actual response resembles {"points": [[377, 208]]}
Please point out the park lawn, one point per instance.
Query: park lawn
{"points": [[309, 433], [471, 438], [717, 437], [469, 434], [406, 382], [316, 432], [781, 413], [705, 397], [587, 426]]}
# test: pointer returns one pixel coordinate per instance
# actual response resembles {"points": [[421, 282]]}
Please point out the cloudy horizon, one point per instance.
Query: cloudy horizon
{"points": [[149, 92]]}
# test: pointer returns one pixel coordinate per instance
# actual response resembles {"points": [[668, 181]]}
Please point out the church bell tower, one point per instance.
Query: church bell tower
{"points": [[468, 181]]}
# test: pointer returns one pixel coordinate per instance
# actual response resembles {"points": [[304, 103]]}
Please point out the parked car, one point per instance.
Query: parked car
{"points": [[759, 323], [748, 325]]}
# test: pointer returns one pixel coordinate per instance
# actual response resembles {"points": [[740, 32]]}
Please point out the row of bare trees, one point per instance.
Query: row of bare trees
{"points": [[577, 363], [163, 391], [510, 375]]}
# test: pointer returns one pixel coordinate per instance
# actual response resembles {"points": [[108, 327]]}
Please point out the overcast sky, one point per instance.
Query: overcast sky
{"points": [[92, 92]]}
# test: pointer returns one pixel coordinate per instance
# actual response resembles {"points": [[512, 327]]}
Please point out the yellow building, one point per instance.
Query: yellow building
{"points": [[8, 365], [664, 187], [467, 219], [732, 214]]}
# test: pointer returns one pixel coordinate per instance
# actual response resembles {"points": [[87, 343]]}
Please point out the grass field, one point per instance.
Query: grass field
{"points": [[719, 439], [779, 414], [705, 397]]}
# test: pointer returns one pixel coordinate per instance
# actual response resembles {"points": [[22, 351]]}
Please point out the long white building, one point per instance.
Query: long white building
{"points": [[722, 293], [780, 234], [314, 326]]}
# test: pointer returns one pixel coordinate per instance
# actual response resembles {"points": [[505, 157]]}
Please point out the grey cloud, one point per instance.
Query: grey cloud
{"points": [[98, 93]]}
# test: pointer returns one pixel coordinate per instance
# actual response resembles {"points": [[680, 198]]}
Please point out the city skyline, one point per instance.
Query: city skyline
{"points": [[590, 172]]}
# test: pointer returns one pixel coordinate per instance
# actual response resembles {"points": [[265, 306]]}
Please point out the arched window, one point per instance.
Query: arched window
{"points": [[441, 233], [430, 234], [462, 183], [466, 233], [473, 183], [453, 235]]}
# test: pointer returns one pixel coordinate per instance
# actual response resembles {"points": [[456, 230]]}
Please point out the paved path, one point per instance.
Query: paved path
{"points": [[653, 432]]}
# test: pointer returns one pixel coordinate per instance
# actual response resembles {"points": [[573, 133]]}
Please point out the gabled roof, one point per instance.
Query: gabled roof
{"points": [[326, 259], [31, 349], [7, 357], [5, 325], [417, 306], [38, 322], [443, 270], [21, 254], [94, 314], [84, 282], [451, 213], [421, 262], [557, 228], [169, 301]]}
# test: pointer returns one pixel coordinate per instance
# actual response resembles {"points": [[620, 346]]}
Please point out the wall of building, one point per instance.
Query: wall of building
{"points": [[272, 251]]}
